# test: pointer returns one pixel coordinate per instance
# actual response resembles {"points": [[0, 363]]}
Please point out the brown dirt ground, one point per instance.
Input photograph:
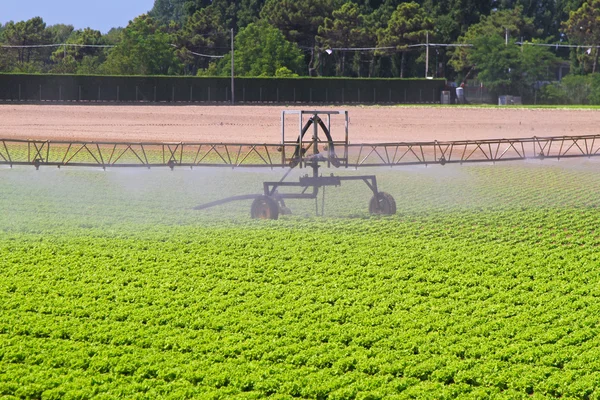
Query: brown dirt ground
{"points": [[261, 124]]}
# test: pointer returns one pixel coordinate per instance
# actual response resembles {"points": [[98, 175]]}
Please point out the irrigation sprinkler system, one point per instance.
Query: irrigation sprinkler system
{"points": [[311, 146]]}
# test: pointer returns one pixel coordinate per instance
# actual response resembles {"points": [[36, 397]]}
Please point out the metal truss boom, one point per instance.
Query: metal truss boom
{"points": [[233, 155]]}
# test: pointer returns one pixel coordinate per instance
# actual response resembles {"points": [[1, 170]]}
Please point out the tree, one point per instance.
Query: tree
{"points": [[299, 21], [59, 33], [537, 65], [511, 23], [5, 58], [509, 69], [454, 17], [203, 33], [249, 12], [345, 29], [583, 28], [408, 25], [113, 36], [380, 12], [70, 59], [542, 12], [24, 33], [165, 11], [497, 63], [262, 50], [144, 49]]}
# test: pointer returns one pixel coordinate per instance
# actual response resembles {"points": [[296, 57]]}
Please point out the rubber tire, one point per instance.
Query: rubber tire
{"points": [[382, 204], [264, 207]]}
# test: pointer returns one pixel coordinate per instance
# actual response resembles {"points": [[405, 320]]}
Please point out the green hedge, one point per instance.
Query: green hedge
{"points": [[20, 87], [573, 89]]}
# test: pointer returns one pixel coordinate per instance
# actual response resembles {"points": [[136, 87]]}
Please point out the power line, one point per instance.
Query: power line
{"points": [[197, 54], [30, 46], [556, 45], [573, 46]]}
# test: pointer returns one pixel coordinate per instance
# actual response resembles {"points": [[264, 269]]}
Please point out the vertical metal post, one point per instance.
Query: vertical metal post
{"points": [[232, 71], [315, 138], [374, 95], [346, 138], [118, 89], [59, 92], [191, 93], [427, 57], [40, 92], [300, 136], [282, 127], [209, 93], [282, 137], [155, 94], [173, 94], [19, 92], [79, 92]]}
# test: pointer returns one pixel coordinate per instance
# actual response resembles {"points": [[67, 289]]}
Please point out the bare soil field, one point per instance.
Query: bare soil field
{"points": [[252, 124]]}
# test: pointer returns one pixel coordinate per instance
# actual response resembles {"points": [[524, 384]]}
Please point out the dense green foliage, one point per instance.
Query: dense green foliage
{"points": [[262, 50], [573, 89], [484, 285], [185, 34]]}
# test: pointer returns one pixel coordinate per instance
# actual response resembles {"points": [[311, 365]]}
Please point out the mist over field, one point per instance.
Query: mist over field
{"points": [[119, 196]]}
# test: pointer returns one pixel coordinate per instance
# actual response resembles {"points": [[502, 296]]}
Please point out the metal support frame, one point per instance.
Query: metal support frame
{"points": [[280, 155], [300, 159]]}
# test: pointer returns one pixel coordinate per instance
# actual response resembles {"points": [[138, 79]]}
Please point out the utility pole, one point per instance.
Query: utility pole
{"points": [[232, 79], [521, 44], [427, 57]]}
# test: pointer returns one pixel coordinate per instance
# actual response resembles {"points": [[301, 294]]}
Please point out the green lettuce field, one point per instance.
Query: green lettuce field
{"points": [[485, 284]]}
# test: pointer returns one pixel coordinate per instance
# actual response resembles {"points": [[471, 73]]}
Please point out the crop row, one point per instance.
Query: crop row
{"points": [[495, 294]]}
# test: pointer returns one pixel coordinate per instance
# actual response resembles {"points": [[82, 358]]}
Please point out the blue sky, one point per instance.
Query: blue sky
{"points": [[96, 14]]}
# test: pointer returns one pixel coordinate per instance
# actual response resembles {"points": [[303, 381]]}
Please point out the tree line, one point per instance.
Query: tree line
{"points": [[334, 38]]}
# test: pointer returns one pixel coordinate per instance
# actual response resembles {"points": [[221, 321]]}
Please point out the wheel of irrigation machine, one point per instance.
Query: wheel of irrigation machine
{"points": [[382, 204], [264, 207]]}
